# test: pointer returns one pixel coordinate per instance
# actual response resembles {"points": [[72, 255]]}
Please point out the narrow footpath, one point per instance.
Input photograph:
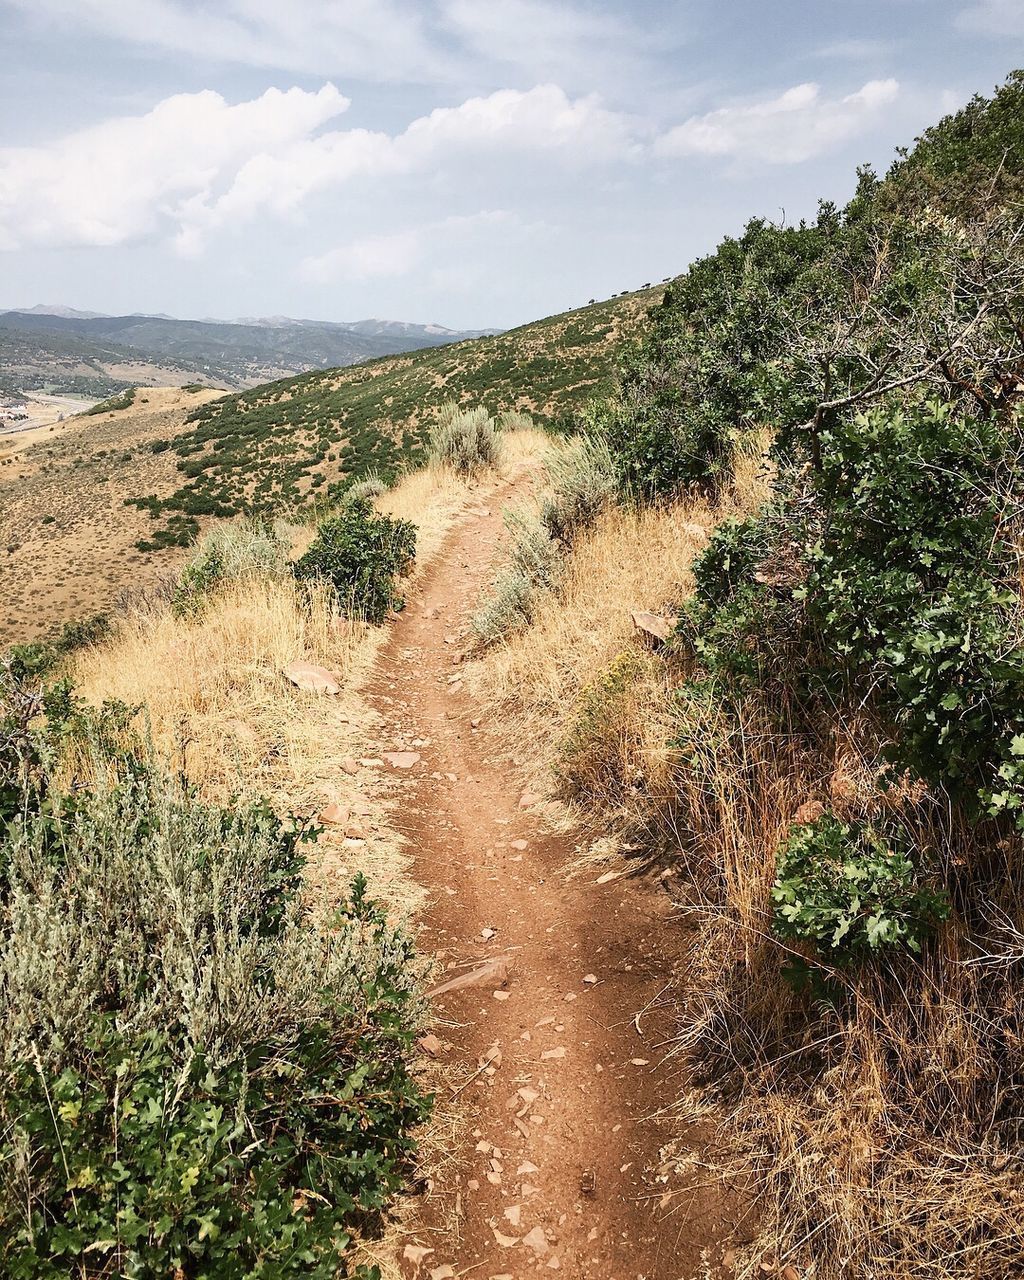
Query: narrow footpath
{"points": [[555, 1021]]}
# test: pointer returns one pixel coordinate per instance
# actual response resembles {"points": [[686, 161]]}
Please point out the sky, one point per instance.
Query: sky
{"points": [[470, 163]]}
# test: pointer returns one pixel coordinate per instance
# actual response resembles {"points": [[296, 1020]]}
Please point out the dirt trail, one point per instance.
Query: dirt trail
{"points": [[557, 1069]]}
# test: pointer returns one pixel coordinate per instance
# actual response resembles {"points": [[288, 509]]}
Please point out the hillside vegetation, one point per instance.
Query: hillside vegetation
{"points": [[807, 487], [814, 473], [62, 362], [279, 445], [273, 449], [207, 1011]]}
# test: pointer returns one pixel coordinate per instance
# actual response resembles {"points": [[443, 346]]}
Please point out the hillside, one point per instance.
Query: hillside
{"points": [[36, 346], [76, 501], [72, 365], [812, 478], [67, 537], [279, 445]]}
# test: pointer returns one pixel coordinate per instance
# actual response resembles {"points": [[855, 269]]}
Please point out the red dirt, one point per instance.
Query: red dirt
{"points": [[588, 1056]]}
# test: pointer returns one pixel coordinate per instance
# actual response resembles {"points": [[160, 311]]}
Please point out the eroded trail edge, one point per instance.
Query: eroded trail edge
{"points": [[556, 1044]]}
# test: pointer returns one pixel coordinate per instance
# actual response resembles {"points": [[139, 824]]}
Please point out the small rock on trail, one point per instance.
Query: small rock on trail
{"points": [[402, 759]]}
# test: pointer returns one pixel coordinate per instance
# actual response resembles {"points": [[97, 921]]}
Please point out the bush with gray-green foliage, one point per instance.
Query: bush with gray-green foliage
{"points": [[514, 420], [365, 490], [534, 568], [194, 1079], [228, 553], [581, 484], [465, 440]]}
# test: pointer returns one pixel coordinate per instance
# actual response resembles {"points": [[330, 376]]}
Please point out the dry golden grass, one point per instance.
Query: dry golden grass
{"points": [[433, 497], [221, 711], [212, 685], [631, 560], [879, 1137]]}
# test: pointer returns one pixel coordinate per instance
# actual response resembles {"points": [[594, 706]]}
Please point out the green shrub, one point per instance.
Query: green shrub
{"points": [[194, 1079], [509, 608], [37, 658], [658, 454], [535, 565], [581, 484], [911, 587], [466, 440], [741, 623], [123, 400], [514, 420], [532, 551], [362, 555], [851, 892], [366, 489], [228, 553]]}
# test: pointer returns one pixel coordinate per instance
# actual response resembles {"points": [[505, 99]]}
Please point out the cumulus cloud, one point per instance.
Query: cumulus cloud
{"points": [[195, 164], [128, 178], [796, 126], [542, 119]]}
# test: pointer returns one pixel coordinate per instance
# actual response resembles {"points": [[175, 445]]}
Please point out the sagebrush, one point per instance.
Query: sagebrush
{"points": [[194, 1080]]}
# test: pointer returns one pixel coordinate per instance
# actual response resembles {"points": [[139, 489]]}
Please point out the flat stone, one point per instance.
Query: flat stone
{"points": [[653, 625], [311, 678], [402, 759], [335, 815], [492, 971], [536, 1240]]}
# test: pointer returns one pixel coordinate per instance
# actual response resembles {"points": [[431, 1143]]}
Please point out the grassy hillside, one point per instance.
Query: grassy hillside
{"points": [[280, 444], [815, 474], [66, 537], [80, 502]]}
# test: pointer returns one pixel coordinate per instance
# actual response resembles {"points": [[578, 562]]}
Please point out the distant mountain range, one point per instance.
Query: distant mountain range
{"points": [[238, 353]]}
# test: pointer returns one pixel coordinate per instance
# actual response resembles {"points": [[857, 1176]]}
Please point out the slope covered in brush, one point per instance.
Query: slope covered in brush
{"points": [[830, 749], [283, 443]]}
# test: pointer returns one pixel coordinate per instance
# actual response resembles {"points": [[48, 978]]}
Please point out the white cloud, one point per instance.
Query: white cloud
{"points": [[401, 252], [410, 41], [128, 178], [383, 40], [195, 164], [796, 126], [1001, 18], [542, 119]]}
